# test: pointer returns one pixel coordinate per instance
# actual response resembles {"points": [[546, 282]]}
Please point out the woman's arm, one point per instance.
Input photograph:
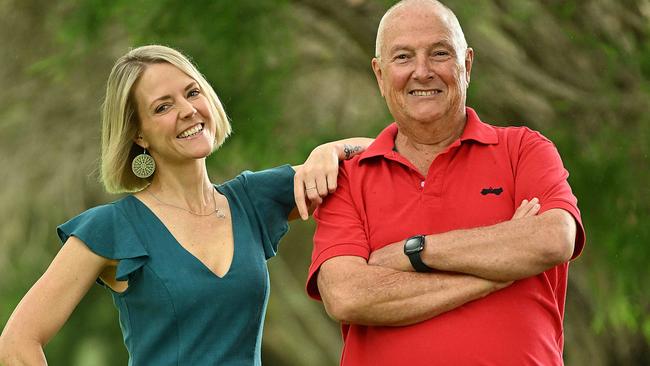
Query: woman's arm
{"points": [[316, 177], [49, 303]]}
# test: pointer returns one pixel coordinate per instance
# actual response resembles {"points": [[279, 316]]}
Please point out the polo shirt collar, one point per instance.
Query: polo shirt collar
{"points": [[477, 130], [474, 130]]}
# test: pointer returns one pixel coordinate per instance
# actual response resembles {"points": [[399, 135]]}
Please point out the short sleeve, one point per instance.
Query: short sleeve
{"points": [[271, 195], [339, 229], [539, 172], [108, 233]]}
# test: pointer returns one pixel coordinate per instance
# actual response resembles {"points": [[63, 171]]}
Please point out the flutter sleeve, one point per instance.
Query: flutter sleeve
{"points": [[271, 196], [108, 233]]}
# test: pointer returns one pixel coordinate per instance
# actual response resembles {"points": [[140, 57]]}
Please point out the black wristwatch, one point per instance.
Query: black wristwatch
{"points": [[413, 246]]}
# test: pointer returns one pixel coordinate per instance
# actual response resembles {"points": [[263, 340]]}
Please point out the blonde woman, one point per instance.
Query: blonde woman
{"points": [[184, 259]]}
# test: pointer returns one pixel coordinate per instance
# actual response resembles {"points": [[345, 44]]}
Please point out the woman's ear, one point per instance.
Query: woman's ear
{"points": [[140, 141]]}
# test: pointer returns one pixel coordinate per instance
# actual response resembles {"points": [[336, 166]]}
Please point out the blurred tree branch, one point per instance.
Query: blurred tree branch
{"points": [[357, 18]]}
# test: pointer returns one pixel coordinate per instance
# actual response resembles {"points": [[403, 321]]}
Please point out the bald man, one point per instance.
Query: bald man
{"points": [[447, 241]]}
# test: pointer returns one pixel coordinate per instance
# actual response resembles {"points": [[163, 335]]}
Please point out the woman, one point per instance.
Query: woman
{"points": [[185, 260]]}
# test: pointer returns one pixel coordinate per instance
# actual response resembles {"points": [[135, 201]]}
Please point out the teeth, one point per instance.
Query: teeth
{"points": [[191, 131], [424, 93]]}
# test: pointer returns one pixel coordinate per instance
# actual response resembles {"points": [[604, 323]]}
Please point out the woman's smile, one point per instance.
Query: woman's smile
{"points": [[191, 132]]}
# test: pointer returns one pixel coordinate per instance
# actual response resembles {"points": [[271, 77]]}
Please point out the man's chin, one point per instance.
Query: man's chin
{"points": [[428, 118]]}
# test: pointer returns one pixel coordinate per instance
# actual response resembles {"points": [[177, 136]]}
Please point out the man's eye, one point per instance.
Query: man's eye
{"points": [[401, 57], [441, 53]]}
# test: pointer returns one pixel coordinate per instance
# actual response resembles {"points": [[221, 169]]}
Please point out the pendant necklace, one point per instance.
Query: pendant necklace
{"points": [[216, 211]]}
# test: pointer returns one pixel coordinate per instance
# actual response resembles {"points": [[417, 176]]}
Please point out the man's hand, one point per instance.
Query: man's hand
{"points": [[527, 208], [392, 255]]}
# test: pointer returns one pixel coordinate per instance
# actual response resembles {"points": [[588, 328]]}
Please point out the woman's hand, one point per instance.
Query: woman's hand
{"points": [[316, 178]]}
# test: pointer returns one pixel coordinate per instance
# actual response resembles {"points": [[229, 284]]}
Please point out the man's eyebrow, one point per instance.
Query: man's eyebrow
{"points": [[443, 43], [398, 47], [402, 47]]}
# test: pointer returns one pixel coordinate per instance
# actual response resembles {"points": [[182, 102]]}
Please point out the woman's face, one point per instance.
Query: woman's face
{"points": [[176, 121]]}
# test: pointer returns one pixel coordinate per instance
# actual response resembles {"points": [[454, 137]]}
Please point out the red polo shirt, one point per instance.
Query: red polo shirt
{"points": [[479, 180]]}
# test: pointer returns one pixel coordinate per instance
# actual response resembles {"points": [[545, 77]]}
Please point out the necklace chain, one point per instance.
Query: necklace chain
{"points": [[216, 211]]}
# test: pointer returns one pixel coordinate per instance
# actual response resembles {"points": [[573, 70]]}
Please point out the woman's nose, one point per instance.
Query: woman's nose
{"points": [[187, 111]]}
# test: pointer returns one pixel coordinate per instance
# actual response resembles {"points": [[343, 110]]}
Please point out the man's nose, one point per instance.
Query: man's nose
{"points": [[423, 68]]}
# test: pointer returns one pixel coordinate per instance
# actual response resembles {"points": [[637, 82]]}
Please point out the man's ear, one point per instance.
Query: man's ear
{"points": [[469, 61], [376, 68]]}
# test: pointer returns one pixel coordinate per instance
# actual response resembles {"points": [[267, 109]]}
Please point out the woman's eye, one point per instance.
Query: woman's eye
{"points": [[161, 108], [193, 93]]}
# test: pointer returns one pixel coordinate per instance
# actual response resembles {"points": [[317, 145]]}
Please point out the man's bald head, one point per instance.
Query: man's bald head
{"points": [[441, 10]]}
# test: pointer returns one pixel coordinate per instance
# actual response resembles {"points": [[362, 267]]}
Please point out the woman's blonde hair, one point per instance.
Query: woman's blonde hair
{"points": [[120, 122]]}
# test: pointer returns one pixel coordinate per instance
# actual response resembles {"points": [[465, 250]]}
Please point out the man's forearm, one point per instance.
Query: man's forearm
{"points": [[507, 251], [355, 292]]}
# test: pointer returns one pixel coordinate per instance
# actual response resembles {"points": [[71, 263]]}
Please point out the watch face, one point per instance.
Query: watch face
{"points": [[414, 245]]}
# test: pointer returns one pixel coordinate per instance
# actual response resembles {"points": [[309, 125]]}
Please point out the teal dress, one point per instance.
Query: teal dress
{"points": [[175, 310]]}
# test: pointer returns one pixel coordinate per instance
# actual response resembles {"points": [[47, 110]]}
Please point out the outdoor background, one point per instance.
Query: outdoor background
{"points": [[293, 74]]}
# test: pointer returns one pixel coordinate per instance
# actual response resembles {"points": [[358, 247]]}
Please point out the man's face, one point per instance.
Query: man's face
{"points": [[423, 73]]}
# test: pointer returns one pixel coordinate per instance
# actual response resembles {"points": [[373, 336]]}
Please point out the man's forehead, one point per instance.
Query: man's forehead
{"points": [[417, 8], [402, 28], [420, 20]]}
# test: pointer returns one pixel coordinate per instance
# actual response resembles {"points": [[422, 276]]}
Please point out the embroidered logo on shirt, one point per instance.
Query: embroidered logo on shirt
{"points": [[495, 191]]}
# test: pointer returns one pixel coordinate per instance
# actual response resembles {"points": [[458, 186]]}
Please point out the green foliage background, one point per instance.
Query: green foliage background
{"points": [[296, 73]]}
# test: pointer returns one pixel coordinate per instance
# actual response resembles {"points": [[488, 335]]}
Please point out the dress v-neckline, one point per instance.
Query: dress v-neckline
{"points": [[182, 248]]}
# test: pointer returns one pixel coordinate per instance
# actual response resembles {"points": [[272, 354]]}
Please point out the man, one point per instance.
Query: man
{"points": [[481, 287]]}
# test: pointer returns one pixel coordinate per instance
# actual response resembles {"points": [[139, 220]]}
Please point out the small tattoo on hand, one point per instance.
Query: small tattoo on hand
{"points": [[350, 151]]}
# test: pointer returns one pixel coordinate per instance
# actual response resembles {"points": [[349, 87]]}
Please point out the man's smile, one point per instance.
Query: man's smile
{"points": [[425, 92]]}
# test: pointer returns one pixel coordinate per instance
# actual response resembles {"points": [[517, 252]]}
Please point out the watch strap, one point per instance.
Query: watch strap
{"points": [[418, 265], [413, 246]]}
